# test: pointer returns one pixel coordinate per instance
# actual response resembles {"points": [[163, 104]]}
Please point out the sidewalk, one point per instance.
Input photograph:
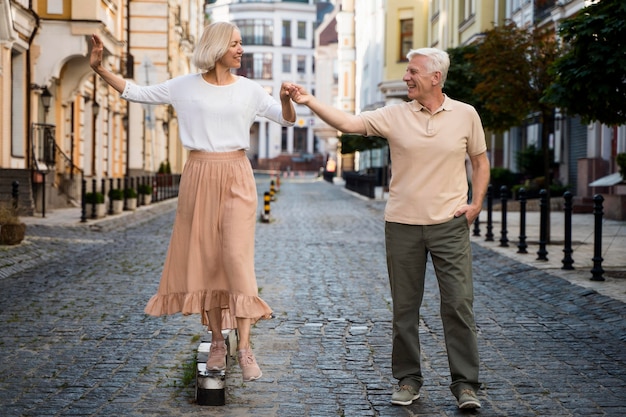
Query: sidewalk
{"points": [[583, 238]]}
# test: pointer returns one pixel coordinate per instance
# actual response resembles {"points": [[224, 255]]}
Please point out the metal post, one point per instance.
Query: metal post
{"points": [[83, 205], [489, 235], [567, 244], [504, 241], [94, 189], [521, 245], [43, 195], [272, 191], [543, 226], [110, 199], [15, 194], [265, 216], [597, 270], [476, 231]]}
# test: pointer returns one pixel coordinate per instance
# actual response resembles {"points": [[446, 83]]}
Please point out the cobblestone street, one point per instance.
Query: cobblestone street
{"points": [[75, 340]]}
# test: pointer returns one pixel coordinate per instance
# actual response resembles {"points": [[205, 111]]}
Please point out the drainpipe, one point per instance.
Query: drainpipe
{"points": [[29, 119]]}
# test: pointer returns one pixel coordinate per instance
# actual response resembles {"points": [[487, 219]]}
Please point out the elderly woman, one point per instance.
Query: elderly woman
{"points": [[209, 268]]}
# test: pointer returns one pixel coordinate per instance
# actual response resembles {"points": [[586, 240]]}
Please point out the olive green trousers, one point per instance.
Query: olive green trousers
{"points": [[448, 244]]}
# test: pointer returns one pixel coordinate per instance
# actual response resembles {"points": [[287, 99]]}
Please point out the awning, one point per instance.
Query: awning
{"points": [[607, 181]]}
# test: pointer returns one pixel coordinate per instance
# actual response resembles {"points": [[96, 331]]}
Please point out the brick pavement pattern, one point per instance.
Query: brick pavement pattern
{"points": [[75, 340]]}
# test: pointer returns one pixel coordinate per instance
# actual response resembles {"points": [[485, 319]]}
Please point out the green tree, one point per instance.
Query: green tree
{"points": [[504, 84], [463, 76], [590, 77]]}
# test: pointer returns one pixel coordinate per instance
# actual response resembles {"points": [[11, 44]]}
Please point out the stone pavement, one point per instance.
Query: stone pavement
{"points": [[75, 340]]}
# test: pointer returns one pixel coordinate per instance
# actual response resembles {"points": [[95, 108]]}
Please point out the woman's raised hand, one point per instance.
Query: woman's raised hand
{"points": [[95, 59]]}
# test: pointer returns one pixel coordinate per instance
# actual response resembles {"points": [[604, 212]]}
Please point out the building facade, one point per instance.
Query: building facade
{"points": [[62, 124]]}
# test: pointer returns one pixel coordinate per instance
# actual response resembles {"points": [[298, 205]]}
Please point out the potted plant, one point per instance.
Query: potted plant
{"points": [[131, 198], [117, 199], [12, 230], [164, 174], [96, 198], [145, 191]]}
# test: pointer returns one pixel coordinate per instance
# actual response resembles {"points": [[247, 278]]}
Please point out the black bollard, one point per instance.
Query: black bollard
{"points": [[15, 194], [94, 189], [521, 245], [489, 235], [504, 240], [543, 225], [83, 205], [110, 199], [476, 231], [597, 271], [567, 261]]}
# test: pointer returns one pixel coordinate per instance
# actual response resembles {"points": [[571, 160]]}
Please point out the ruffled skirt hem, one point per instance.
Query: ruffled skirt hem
{"points": [[233, 306]]}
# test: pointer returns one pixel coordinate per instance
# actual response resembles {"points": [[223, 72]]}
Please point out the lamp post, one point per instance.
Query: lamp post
{"points": [[95, 109], [46, 98]]}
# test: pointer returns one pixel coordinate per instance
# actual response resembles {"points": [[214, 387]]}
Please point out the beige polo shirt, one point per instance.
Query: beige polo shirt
{"points": [[428, 177]]}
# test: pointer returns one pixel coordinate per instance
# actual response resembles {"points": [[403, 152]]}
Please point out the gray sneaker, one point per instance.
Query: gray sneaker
{"points": [[468, 399], [404, 395]]}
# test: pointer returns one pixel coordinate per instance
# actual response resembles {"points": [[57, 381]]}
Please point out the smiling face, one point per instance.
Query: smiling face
{"points": [[232, 57], [421, 82]]}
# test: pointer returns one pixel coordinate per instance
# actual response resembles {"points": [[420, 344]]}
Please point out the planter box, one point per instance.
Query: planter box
{"points": [[146, 199], [12, 234], [131, 204], [101, 210], [118, 206]]}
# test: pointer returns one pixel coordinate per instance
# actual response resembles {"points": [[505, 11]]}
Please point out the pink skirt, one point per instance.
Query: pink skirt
{"points": [[210, 259]]}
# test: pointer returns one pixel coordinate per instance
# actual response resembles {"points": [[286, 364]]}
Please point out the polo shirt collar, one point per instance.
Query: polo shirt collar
{"points": [[447, 104]]}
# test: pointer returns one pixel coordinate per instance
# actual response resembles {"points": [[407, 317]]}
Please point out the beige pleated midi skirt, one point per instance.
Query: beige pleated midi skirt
{"points": [[210, 259]]}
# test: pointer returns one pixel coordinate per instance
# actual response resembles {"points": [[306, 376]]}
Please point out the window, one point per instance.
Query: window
{"points": [[406, 38], [301, 64], [286, 64], [286, 35], [299, 139], [301, 30], [256, 31], [257, 66], [284, 139], [469, 9]]}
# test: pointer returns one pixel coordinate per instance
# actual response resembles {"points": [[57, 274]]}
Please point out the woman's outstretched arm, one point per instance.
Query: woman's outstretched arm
{"points": [[95, 61]]}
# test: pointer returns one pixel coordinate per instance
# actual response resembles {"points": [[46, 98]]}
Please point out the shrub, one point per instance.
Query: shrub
{"points": [[130, 193], [8, 216], [165, 168], [144, 189], [116, 194], [94, 198]]}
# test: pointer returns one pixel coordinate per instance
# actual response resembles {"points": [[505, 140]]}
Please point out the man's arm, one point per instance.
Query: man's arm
{"points": [[336, 118], [480, 181]]}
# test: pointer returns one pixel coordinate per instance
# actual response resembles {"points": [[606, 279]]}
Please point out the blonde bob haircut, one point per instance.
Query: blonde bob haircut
{"points": [[438, 61], [213, 45]]}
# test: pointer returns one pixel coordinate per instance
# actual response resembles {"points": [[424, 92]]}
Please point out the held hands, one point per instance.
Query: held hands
{"points": [[297, 93]]}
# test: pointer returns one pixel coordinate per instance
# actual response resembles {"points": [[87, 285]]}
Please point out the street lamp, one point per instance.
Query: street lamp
{"points": [[46, 98], [95, 108]]}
